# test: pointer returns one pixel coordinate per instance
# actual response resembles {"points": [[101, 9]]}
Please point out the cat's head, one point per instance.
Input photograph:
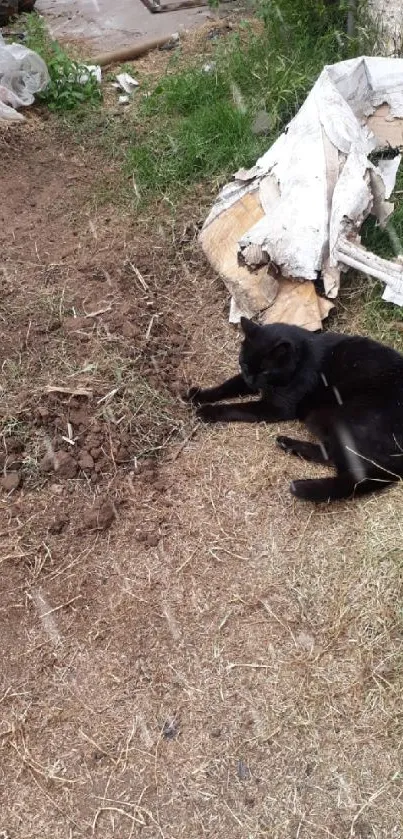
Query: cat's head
{"points": [[270, 355]]}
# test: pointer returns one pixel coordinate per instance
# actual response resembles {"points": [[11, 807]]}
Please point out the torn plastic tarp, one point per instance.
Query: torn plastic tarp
{"points": [[297, 213], [22, 74]]}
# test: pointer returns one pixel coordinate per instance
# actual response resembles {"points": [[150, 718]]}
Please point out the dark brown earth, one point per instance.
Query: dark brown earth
{"points": [[185, 650]]}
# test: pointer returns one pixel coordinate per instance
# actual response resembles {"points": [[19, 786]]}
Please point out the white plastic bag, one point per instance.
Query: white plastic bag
{"points": [[22, 74]]}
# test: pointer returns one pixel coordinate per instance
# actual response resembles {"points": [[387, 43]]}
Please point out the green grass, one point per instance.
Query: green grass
{"points": [[213, 140], [387, 242], [194, 126], [198, 124], [384, 321]]}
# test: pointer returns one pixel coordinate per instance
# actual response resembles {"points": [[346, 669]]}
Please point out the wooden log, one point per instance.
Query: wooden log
{"points": [[129, 53]]}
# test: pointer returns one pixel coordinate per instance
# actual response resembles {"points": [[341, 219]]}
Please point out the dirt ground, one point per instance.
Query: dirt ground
{"points": [[186, 650]]}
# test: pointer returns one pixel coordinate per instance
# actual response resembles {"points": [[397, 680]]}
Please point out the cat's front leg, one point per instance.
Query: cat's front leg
{"points": [[258, 411], [232, 388]]}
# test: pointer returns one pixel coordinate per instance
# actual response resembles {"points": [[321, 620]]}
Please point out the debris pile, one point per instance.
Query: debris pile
{"points": [[22, 74], [294, 218], [10, 8]]}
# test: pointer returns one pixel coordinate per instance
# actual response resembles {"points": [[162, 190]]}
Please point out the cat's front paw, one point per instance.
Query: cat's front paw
{"points": [[285, 443], [192, 395], [209, 413]]}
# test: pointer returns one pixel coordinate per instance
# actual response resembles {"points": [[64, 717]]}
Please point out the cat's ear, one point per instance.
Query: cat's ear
{"points": [[282, 352], [249, 328]]}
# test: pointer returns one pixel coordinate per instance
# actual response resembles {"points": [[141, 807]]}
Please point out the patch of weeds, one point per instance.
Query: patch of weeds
{"points": [[151, 415], [216, 139], [197, 124], [13, 427], [383, 321], [70, 82], [388, 241]]}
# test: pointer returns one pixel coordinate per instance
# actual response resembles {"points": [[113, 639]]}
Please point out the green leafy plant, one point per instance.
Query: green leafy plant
{"points": [[70, 84]]}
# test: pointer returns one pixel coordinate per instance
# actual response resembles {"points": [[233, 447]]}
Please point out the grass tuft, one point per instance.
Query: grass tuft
{"points": [[197, 123]]}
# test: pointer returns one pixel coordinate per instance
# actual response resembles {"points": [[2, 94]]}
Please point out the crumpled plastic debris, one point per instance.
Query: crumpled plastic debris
{"points": [[297, 213], [22, 74], [93, 70], [126, 82]]}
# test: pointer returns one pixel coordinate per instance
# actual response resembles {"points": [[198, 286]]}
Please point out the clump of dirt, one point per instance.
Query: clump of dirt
{"points": [[92, 346]]}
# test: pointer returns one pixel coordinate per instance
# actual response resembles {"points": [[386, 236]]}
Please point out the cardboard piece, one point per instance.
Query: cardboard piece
{"points": [[309, 194]]}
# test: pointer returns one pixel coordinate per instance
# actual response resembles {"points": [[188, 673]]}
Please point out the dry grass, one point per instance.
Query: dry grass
{"points": [[224, 661], [241, 678], [269, 631]]}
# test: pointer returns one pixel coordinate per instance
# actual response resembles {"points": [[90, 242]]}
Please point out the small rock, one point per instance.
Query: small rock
{"points": [[79, 417], [129, 330], [262, 123], [170, 728], [73, 324], [306, 640], [65, 465], [59, 523], [43, 412], [243, 771], [11, 481], [86, 461], [92, 441], [101, 517], [47, 464], [122, 455], [95, 452], [56, 488], [152, 540]]}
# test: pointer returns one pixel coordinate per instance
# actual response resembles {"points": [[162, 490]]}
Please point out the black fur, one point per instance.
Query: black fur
{"points": [[347, 390]]}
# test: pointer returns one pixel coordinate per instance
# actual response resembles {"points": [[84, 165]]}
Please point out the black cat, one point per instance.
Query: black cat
{"points": [[347, 390]]}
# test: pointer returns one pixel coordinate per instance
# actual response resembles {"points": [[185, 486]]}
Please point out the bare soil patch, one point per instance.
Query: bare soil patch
{"points": [[186, 651]]}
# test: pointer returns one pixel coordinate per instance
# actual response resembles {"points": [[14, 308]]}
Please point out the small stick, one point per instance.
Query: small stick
{"points": [[62, 605], [183, 444], [98, 312], [80, 391], [233, 665]]}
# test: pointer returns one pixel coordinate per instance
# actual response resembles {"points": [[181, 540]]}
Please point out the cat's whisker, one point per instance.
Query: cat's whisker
{"points": [[337, 395], [324, 451], [377, 465], [356, 466]]}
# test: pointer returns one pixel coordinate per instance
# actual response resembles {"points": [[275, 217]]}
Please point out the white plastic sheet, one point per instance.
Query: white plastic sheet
{"points": [[316, 183], [22, 74]]}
